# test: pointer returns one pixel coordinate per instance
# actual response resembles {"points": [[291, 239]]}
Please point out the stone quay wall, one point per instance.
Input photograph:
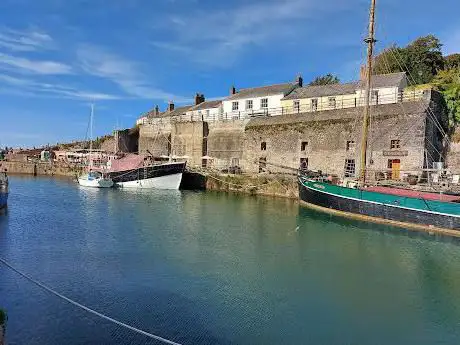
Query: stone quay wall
{"points": [[327, 140], [39, 168]]}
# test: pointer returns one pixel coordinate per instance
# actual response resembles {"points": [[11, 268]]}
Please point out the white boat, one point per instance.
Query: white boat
{"points": [[133, 172], [94, 179]]}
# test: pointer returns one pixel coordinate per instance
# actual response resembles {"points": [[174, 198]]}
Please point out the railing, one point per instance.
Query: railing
{"points": [[316, 104]]}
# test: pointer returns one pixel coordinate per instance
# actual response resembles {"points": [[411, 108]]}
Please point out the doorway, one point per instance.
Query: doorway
{"points": [[395, 166]]}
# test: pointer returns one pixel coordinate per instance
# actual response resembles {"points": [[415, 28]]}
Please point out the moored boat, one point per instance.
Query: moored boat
{"points": [[94, 179], [136, 171], [399, 209], [3, 190], [361, 199]]}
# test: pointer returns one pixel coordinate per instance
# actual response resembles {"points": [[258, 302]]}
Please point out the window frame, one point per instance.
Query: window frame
{"points": [[304, 146], [351, 145], [264, 103], [395, 144], [249, 102], [332, 100], [235, 105]]}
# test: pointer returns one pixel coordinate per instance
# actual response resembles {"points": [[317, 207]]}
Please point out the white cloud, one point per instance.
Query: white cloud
{"points": [[126, 74], [33, 66], [28, 40], [218, 38], [31, 88]]}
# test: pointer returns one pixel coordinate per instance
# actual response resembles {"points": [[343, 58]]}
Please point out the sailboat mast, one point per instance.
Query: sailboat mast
{"points": [[91, 137], [370, 40]]}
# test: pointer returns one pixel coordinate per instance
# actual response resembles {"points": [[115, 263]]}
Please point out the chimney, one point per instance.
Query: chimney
{"points": [[170, 106], [363, 72], [232, 90], [299, 80], [199, 98], [157, 110]]}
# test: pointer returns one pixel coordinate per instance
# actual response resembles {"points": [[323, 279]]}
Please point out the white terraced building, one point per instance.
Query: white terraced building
{"points": [[257, 101]]}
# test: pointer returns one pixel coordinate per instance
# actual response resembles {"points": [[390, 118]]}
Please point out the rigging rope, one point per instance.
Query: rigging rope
{"points": [[81, 306]]}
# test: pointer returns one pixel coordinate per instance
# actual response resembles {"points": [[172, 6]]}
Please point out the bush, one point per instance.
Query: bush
{"points": [[3, 317]]}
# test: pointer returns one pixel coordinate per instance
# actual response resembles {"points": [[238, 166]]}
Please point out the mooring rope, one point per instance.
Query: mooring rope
{"points": [[81, 306]]}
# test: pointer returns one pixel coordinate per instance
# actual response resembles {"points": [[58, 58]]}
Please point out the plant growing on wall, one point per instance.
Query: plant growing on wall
{"points": [[3, 317]]}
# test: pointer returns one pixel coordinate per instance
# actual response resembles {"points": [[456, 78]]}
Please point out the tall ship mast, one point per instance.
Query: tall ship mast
{"points": [[361, 198], [370, 40]]}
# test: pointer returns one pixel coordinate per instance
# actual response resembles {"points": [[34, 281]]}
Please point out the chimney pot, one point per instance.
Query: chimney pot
{"points": [[232, 90], [299, 80], [199, 98], [170, 106]]}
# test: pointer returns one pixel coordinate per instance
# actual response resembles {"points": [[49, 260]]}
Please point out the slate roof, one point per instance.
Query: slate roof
{"points": [[378, 81], [207, 105], [262, 91], [322, 91], [176, 112]]}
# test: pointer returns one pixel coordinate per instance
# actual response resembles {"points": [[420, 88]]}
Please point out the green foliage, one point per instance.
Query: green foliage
{"points": [[452, 97], [452, 61], [325, 80], [3, 317], [421, 60]]}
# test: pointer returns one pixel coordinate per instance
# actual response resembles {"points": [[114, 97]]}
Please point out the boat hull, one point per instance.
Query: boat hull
{"points": [[162, 176], [95, 183], [378, 206]]}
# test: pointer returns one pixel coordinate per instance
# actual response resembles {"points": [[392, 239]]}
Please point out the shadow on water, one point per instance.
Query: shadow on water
{"points": [[350, 224]]}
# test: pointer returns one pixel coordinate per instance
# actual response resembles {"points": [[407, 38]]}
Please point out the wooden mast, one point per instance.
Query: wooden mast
{"points": [[370, 40]]}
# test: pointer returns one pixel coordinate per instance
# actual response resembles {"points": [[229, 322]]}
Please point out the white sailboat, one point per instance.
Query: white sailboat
{"points": [[94, 179]]}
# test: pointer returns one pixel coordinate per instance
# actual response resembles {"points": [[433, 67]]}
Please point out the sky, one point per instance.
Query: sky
{"points": [[126, 56]]}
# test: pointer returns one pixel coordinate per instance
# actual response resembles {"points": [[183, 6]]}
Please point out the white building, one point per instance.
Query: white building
{"points": [[386, 89], [206, 111], [264, 100]]}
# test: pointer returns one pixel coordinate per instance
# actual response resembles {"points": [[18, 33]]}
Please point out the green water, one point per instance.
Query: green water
{"points": [[213, 268]]}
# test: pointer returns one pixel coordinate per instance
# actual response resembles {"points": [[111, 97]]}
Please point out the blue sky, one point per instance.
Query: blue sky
{"points": [[128, 55]]}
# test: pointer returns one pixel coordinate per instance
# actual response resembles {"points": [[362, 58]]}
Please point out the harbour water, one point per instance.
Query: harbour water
{"points": [[214, 268]]}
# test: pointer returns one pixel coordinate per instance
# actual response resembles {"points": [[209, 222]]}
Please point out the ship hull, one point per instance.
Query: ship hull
{"points": [[162, 176], [401, 211]]}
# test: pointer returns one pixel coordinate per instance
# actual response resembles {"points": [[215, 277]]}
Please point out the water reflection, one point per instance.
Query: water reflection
{"points": [[219, 268]]}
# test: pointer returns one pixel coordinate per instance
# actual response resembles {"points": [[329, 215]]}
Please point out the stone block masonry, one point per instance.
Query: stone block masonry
{"points": [[404, 134]]}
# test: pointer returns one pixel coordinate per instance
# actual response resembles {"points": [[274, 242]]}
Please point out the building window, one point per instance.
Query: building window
{"points": [[234, 106], [235, 162], [264, 103], [350, 168], [351, 145], [314, 104], [375, 96], [262, 164], [303, 146], [331, 101], [296, 105], [304, 163], [395, 144], [263, 146], [249, 104]]}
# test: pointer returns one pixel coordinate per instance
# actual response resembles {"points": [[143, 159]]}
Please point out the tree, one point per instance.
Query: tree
{"points": [[421, 60], [325, 80], [452, 61]]}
